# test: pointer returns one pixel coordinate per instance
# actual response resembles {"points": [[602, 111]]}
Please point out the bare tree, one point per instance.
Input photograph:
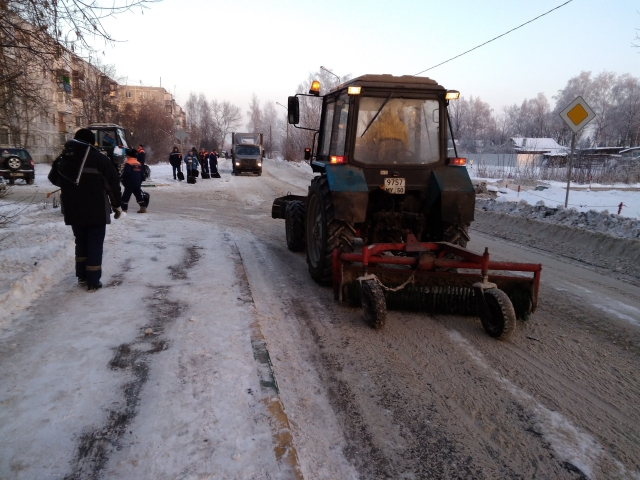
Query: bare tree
{"points": [[626, 91], [255, 115], [227, 117], [151, 127], [97, 86]]}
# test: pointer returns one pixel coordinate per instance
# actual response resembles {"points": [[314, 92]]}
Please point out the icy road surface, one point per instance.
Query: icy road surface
{"points": [[84, 391]]}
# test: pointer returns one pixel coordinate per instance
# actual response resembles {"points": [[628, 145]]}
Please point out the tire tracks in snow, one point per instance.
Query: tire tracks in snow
{"points": [[96, 445]]}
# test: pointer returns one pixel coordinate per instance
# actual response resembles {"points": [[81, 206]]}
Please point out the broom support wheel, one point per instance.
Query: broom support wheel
{"points": [[496, 311], [373, 303]]}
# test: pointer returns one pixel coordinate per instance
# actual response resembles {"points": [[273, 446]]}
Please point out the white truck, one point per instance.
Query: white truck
{"points": [[247, 153]]}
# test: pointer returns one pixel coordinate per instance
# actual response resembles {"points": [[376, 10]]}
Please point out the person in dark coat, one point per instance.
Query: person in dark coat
{"points": [[213, 163], [175, 159], [132, 176], [191, 162], [89, 190], [202, 158]]}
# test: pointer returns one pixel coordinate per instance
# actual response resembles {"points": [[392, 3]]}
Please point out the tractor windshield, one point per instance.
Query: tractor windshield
{"points": [[394, 130]]}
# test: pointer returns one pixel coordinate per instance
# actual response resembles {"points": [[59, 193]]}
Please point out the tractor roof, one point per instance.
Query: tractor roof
{"points": [[386, 80]]}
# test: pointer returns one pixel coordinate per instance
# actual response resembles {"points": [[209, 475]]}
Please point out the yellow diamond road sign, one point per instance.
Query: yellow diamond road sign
{"points": [[577, 114]]}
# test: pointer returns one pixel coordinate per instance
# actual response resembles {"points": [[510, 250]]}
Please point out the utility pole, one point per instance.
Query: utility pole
{"points": [[286, 146]]}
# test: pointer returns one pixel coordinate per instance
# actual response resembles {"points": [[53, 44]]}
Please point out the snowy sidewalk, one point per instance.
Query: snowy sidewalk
{"points": [[161, 374]]}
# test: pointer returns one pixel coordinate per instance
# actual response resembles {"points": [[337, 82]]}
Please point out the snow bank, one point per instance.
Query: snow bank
{"points": [[593, 220], [36, 247]]}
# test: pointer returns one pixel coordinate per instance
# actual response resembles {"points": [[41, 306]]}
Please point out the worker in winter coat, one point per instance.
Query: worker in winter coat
{"points": [[202, 158], [191, 162], [90, 189], [175, 159], [213, 163], [132, 175]]}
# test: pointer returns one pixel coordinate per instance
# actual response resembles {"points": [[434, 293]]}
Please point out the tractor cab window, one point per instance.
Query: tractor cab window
{"points": [[339, 130], [397, 131], [326, 132], [334, 132]]}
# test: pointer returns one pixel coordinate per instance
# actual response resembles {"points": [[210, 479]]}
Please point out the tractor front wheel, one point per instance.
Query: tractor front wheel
{"points": [[499, 321], [373, 303], [294, 225], [323, 232]]}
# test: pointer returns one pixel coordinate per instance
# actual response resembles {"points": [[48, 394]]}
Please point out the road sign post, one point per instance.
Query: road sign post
{"points": [[181, 135], [576, 115]]}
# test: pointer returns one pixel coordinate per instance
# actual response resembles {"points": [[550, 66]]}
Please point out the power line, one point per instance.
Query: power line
{"points": [[495, 38]]}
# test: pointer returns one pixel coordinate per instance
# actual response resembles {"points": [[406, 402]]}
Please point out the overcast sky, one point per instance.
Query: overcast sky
{"points": [[230, 49]]}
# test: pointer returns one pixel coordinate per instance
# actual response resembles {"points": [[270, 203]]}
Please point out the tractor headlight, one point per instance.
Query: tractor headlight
{"points": [[237, 164], [452, 95], [259, 164]]}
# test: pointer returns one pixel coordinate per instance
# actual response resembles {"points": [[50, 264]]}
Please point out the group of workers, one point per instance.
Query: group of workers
{"points": [[207, 160]]}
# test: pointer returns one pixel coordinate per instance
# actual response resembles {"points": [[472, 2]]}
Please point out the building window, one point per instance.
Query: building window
{"points": [[128, 94], [78, 121], [4, 136], [62, 138]]}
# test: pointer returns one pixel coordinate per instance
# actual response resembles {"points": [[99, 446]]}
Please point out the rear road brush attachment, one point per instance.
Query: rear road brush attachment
{"points": [[436, 278]]}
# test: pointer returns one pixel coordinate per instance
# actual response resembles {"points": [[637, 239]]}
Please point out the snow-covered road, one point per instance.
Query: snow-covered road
{"points": [[85, 392]]}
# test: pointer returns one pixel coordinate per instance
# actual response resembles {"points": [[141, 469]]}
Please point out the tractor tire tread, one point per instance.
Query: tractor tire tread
{"points": [[374, 304], [502, 323], [340, 234], [295, 215]]}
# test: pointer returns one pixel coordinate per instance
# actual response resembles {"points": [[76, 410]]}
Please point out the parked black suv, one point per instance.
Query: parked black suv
{"points": [[17, 163]]}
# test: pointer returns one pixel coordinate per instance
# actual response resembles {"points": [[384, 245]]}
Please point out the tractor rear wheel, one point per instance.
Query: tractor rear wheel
{"points": [[500, 319], [295, 214], [323, 232], [373, 303]]}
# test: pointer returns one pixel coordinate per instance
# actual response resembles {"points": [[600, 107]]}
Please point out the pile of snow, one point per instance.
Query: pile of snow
{"points": [[601, 221], [36, 246]]}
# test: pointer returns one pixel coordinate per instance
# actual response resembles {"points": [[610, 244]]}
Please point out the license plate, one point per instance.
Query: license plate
{"points": [[394, 185], [16, 174]]}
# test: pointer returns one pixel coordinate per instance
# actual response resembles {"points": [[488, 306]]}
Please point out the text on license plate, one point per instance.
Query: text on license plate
{"points": [[394, 185]]}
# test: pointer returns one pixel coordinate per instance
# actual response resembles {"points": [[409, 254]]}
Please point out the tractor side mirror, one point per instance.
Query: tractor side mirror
{"points": [[293, 110], [307, 153]]}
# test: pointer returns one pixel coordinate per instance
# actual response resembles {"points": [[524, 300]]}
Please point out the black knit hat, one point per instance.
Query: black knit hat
{"points": [[85, 135]]}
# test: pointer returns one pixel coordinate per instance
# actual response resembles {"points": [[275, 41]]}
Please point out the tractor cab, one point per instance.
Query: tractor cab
{"points": [[382, 144]]}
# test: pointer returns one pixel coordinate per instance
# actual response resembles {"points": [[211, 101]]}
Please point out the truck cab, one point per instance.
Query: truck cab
{"points": [[247, 153]]}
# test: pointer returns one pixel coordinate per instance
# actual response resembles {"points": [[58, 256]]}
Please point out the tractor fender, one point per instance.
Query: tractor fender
{"points": [[453, 188], [349, 192]]}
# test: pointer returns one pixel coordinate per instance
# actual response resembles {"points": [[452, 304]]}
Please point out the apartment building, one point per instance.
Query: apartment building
{"points": [[135, 94], [66, 94]]}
